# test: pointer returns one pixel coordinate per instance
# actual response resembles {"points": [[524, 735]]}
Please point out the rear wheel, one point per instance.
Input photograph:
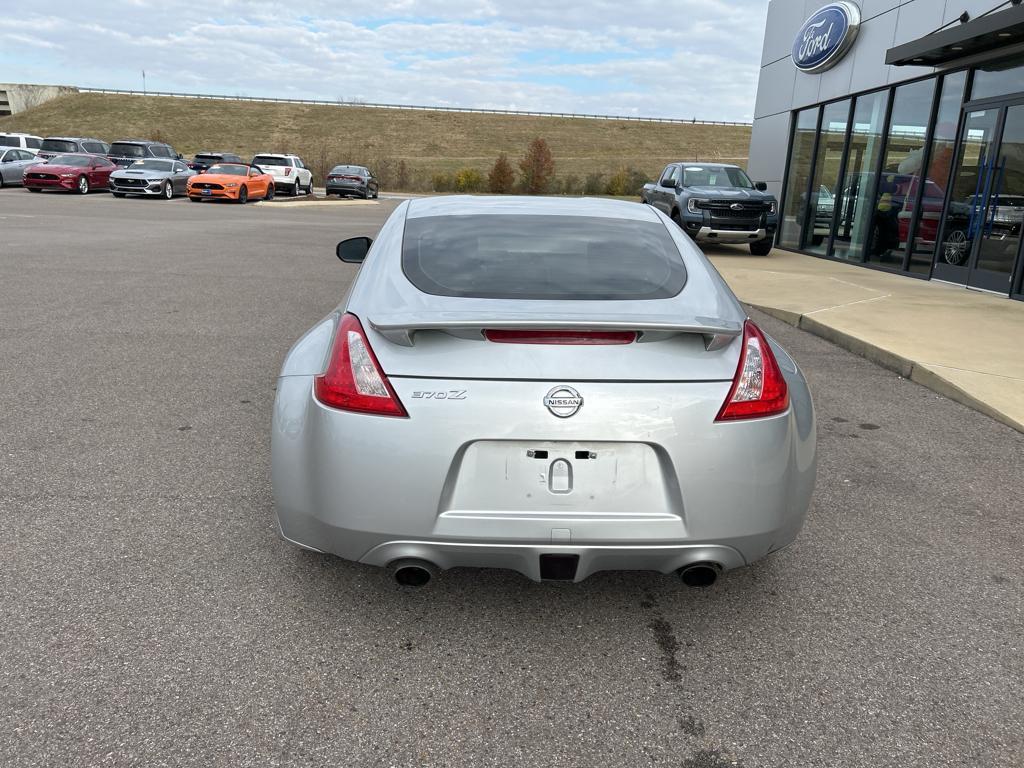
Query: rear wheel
{"points": [[168, 190], [83, 185], [761, 247], [296, 188], [243, 195]]}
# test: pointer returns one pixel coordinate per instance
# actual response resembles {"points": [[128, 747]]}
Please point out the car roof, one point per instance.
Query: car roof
{"points": [[18, 133], [699, 164], [463, 205], [74, 138], [137, 141]]}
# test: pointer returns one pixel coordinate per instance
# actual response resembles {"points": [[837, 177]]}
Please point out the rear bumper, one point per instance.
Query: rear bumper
{"points": [[377, 489], [347, 189]]}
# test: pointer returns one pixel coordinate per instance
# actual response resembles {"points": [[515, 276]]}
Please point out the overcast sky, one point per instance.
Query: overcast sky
{"points": [[656, 58]]}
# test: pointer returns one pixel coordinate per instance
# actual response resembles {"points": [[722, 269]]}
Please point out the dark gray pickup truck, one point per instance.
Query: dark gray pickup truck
{"points": [[716, 203]]}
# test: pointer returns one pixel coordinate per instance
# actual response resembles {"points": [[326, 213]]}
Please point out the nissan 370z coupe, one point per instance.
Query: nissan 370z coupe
{"points": [[553, 386]]}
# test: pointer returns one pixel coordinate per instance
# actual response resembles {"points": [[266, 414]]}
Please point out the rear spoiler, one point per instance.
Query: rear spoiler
{"points": [[400, 328]]}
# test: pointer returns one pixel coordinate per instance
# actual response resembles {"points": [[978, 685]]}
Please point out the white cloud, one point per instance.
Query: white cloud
{"points": [[664, 58]]}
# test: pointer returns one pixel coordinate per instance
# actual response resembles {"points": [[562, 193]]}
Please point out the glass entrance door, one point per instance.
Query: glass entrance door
{"points": [[981, 229]]}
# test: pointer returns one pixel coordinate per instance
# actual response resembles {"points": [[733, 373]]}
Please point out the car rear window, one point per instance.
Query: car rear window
{"points": [[127, 150], [498, 256], [57, 145], [10, 141], [211, 158], [270, 160]]}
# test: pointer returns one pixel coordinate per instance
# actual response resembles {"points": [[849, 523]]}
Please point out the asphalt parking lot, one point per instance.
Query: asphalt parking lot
{"points": [[151, 617]]}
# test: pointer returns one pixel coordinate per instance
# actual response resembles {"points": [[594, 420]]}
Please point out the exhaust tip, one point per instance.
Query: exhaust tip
{"points": [[700, 575], [413, 573]]}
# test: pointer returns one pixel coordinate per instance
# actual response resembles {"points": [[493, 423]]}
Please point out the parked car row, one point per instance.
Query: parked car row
{"points": [[141, 167]]}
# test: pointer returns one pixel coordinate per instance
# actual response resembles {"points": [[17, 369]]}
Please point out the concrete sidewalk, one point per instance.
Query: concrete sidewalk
{"points": [[966, 345]]}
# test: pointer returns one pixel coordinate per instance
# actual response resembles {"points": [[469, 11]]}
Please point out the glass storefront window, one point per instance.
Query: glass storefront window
{"points": [[901, 169], [856, 222], [798, 175], [932, 191], [998, 79], [825, 180]]}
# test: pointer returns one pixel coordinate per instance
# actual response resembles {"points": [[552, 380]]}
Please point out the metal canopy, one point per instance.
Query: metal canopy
{"points": [[983, 34]]}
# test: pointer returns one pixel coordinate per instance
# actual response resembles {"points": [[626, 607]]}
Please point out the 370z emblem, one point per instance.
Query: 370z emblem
{"points": [[451, 394], [563, 401]]}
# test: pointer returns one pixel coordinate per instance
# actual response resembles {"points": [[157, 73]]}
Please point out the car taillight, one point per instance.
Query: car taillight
{"points": [[560, 337], [287, 171], [354, 380], [333, 178], [759, 388]]}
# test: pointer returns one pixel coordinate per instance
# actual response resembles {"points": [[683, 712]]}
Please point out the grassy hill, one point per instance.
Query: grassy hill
{"points": [[429, 143]]}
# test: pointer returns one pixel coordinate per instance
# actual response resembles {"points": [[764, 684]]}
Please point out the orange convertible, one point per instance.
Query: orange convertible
{"points": [[231, 181]]}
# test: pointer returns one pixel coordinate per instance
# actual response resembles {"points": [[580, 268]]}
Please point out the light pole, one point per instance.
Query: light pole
{"points": [[143, 82]]}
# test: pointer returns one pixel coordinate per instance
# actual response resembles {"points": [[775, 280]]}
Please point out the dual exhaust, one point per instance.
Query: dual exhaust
{"points": [[412, 573]]}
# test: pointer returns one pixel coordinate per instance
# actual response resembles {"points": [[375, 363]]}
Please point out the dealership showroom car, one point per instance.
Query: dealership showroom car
{"points": [[557, 387]]}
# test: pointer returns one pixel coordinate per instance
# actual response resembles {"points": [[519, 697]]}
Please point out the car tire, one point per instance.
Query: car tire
{"points": [[168, 191], [243, 195], [309, 187], [83, 185], [675, 217], [761, 247], [376, 193], [296, 188], [270, 193]]}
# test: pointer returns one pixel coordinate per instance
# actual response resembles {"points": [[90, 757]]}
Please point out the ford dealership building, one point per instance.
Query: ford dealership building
{"points": [[893, 133]]}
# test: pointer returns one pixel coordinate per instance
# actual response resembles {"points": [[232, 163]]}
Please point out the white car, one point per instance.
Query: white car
{"points": [[21, 141], [290, 175]]}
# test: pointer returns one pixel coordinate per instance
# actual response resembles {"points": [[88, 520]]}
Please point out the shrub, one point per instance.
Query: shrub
{"points": [[537, 167], [442, 182], [468, 180], [402, 176], [625, 181], [502, 179], [594, 184], [572, 185]]}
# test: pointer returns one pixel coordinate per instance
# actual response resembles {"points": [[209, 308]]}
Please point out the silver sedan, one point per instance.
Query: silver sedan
{"points": [[13, 163], [557, 387]]}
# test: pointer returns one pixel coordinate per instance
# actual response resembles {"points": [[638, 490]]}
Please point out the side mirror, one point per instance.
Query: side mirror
{"points": [[760, 186], [354, 250]]}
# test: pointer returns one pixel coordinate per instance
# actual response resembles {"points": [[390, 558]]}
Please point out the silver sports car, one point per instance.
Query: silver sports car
{"points": [[553, 386], [152, 176]]}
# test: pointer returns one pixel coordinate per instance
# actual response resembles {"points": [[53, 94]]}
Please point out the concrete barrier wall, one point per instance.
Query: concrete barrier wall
{"points": [[17, 97]]}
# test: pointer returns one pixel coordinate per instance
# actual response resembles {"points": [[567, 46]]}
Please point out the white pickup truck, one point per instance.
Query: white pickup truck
{"points": [[290, 175]]}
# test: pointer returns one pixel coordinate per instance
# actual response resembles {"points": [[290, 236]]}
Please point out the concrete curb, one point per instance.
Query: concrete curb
{"points": [[917, 372]]}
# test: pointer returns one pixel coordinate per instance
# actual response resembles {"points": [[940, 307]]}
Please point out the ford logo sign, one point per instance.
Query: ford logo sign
{"points": [[826, 37]]}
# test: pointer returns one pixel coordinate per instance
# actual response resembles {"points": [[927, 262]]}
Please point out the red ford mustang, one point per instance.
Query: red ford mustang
{"points": [[78, 173]]}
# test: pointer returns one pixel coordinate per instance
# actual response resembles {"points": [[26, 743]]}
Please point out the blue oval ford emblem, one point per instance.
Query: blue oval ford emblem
{"points": [[826, 36]]}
